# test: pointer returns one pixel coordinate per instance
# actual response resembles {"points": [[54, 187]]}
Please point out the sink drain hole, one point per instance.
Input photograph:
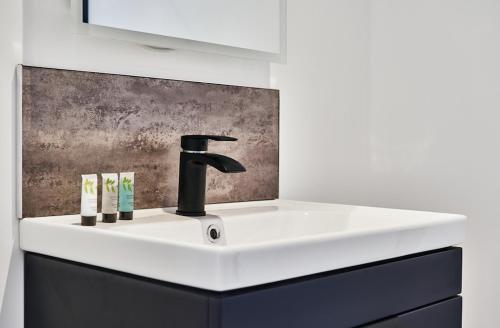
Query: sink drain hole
{"points": [[213, 233]]}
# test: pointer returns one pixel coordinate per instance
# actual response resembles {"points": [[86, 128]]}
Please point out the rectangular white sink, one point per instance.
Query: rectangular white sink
{"points": [[260, 242]]}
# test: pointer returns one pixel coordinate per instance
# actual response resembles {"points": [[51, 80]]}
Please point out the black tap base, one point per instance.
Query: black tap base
{"points": [[187, 213]]}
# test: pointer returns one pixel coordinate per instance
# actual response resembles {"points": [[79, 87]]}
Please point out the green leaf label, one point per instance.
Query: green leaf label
{"points": [[110, 185], [127, 184], [88, 186]]}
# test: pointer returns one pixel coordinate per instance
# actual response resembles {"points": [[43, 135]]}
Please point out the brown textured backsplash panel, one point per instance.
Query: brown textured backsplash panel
{"points": [[77, 123]]}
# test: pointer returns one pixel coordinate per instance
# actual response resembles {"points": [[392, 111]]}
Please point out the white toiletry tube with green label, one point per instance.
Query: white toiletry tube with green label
{"points": [[126, 196], [109, 197], [89, 200]]}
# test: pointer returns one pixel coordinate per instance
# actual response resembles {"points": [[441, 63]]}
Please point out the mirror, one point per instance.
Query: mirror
{"points": [[249, 26]]}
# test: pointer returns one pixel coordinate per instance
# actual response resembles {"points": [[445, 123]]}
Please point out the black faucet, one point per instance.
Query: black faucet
{"points": [[193, 172]]}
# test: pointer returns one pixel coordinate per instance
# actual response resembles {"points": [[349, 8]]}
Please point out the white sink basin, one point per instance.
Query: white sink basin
{"points": [[260, 242]]}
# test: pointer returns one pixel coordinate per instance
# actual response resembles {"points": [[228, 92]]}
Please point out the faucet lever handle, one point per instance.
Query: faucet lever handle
{"points": [[199, 142]]}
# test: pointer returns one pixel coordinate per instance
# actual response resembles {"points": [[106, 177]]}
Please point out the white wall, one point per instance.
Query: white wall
{"points": [[324, 100], [396, 103], [11, 301]]}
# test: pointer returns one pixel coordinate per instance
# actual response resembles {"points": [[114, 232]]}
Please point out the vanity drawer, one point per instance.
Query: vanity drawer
{"points": [[347, 298], [445, 314], [61, 294]]}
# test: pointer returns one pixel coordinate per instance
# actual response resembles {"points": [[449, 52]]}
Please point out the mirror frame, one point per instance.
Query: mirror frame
{"points": [[165, 43]]}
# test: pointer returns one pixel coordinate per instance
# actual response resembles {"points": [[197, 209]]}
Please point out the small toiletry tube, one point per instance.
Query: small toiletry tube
{"points": [[126, 196], [109, 197], [89, 200]]}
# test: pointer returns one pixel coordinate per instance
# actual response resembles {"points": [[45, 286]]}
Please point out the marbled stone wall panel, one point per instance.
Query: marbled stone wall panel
{"points": [[76, 123]]}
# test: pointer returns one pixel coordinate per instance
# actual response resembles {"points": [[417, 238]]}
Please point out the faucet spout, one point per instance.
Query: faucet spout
{"points": [[220, 162]]}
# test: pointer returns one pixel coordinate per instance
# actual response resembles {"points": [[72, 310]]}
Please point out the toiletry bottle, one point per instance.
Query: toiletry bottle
{"points": [[89, 200], [109, 197], [126, 196]]}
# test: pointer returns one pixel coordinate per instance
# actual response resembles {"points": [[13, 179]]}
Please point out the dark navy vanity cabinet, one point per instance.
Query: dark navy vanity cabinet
{"points": [[409, 292]]}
